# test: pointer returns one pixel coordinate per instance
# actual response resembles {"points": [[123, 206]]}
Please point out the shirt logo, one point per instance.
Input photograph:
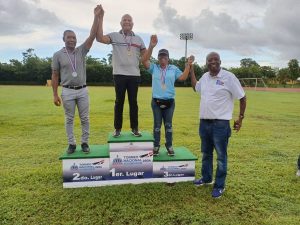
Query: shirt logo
{"points": [[219, 82]]}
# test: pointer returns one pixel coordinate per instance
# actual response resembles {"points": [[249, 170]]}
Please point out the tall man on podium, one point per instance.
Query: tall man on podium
{"points": [[128, 48], [68, 64]]}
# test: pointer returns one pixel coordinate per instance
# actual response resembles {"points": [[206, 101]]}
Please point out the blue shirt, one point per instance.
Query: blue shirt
{"points": [[163, 81]]}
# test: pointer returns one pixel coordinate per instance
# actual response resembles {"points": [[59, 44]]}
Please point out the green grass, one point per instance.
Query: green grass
{"points": [[261, 184]]}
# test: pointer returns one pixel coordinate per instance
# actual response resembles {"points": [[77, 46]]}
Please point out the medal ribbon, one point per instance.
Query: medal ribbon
{"points": [[163, 73], [73, 65], [127, 43]]}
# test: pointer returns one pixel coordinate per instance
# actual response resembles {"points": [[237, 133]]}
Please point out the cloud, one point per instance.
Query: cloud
{"points": [[223, 30], [21, 16], [253, 2], [211, 30], [282, 28], [265, 30]]}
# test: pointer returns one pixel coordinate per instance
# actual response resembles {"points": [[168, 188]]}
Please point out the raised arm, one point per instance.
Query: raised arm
{"points": [[89, 41], [99, 36], [193, 77], [186, 71], [147, 55], [54, 83]]}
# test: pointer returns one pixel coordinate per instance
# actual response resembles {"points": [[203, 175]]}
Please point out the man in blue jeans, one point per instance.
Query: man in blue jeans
{"points": [[218, 88]]}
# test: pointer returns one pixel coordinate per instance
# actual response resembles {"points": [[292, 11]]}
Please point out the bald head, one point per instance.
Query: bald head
{"points": [[213, 63], [126, 23], [212, 54], [126, 15]]}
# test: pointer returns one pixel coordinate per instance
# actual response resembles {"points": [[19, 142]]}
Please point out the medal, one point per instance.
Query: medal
{"points": [[163, 86], [127, 43], [74, 74]]}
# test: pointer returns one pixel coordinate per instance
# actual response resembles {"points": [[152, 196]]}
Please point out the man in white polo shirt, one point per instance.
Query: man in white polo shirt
{"points": [[128, 48], [218, 88]]}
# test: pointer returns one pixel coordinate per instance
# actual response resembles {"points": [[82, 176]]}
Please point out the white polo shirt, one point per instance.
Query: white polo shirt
{"points": [[218, 94]]}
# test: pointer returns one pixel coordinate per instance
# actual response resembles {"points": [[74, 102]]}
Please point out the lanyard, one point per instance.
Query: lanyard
{"points": [[73, 65], [163, 73], [127, 43]]}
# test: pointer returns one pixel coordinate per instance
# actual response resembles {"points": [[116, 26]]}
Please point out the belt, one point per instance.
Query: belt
{"points": [[163, 100], [212, 120], [74, 87]]}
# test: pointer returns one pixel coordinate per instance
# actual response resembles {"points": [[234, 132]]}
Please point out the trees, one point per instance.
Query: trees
{"points": [[31, 69], [267, 72], [34, 70], [283, 76], [251, 69], [293, 66], [248, 62]]}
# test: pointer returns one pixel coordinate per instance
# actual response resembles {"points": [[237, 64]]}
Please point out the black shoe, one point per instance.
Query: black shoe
{"points": [[117, 133], [136, 132], [156, 151], [170, 151], [71, 149], [85, 147]]}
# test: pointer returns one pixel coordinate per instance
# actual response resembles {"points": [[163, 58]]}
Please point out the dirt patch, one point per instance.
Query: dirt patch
{"points": [[274, 89]]}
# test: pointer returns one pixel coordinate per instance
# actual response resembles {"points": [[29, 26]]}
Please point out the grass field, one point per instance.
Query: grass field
{"points": [[261, 185]]}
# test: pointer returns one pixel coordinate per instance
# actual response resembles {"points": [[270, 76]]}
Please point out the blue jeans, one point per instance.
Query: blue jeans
{"points": [[160, 115], [214, 134]]}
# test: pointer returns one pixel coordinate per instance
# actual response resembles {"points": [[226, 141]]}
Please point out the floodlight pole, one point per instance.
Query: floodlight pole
{"points": [[185, 48], [186, 37]]}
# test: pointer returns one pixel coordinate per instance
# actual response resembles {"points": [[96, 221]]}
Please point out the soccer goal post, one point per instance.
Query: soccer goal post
{"points": [[253, 83]]}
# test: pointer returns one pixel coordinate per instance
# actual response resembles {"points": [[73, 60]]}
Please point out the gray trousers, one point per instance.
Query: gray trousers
{"points": [[71, 98]]}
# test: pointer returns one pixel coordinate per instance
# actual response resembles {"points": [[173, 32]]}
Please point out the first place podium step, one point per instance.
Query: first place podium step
{"points": [[126, 160]]}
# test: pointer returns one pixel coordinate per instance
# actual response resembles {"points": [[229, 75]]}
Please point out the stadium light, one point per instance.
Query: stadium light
{"points": [[186, 37]]}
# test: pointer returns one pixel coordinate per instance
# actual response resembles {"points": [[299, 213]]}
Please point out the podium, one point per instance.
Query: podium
{"points": [[126, 160]]}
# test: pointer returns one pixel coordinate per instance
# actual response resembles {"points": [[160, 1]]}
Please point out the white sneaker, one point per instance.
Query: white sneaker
{"points": [[298, 173]]}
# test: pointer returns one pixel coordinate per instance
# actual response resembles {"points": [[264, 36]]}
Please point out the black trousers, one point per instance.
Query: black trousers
{"points": [[130, 84]]}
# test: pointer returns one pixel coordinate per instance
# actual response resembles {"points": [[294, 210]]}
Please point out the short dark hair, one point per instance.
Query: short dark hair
{"points": [[212, 53], [67, 31]]}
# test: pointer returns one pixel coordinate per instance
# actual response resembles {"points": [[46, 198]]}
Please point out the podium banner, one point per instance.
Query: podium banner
{"points": [[130, 146], [131, 164], [126, 160], [82, 170], [174, 169]]}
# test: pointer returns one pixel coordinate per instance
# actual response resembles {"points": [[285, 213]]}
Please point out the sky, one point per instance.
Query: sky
{"points": [[267, 31]]}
